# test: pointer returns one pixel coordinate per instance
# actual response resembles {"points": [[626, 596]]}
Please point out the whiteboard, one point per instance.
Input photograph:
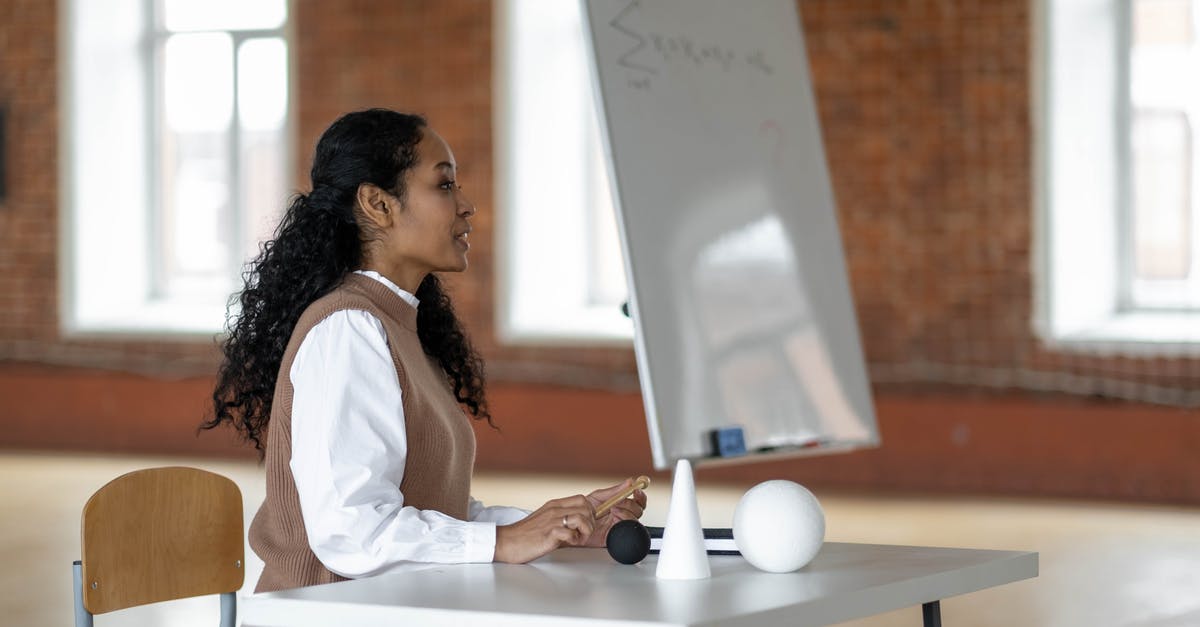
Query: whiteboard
{"points": [[738, 284]]}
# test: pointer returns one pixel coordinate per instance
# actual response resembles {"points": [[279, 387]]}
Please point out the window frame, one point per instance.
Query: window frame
{"points": [[144, 313], [562, 319]]}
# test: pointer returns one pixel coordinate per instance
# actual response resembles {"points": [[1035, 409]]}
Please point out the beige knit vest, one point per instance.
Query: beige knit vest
{"points": [[441, 442]]}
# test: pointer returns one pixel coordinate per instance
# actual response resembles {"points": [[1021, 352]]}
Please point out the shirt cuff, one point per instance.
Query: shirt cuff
{"points": [[479, 543]]}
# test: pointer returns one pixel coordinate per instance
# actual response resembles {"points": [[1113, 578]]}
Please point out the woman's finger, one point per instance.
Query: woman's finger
{"points": [[604, 494], [578, 522], [578, 500], [567, 536], [627, 510]]}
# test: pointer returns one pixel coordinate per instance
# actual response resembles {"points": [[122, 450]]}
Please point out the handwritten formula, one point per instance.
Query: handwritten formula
{"points": [[651, 52]]}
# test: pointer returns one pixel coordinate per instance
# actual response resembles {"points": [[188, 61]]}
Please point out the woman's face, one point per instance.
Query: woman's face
{"points": [[434, 219]]}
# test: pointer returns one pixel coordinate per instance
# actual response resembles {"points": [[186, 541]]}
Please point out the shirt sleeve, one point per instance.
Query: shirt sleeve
{"points": [[499, 514], [349, 448]]}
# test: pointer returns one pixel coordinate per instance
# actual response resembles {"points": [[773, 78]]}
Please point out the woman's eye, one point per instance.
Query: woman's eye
{"points": [[449, 185]]}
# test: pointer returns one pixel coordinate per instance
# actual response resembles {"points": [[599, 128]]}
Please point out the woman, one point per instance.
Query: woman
{"points": [[348, 365]]}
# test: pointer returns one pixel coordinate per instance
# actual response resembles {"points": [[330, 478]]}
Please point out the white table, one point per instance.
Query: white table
{"points": [[586, 587]]}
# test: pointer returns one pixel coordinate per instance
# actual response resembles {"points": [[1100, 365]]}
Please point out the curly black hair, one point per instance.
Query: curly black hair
{"points": [[318, 242]]}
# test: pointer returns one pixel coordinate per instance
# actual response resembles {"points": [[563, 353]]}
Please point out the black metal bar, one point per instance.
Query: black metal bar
{"points": [[932, 613]]}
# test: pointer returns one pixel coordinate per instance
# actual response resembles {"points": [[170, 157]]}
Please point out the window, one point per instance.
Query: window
{"points": [[1162, 243], [1117, 234], [175, 157], [562, 279]]}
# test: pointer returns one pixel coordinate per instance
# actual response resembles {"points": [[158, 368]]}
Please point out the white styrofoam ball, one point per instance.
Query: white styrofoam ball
{"points": [[778, 526]]}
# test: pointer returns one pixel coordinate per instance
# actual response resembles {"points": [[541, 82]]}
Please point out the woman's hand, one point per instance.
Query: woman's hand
{"points": [[625, 509], [570, 521]]}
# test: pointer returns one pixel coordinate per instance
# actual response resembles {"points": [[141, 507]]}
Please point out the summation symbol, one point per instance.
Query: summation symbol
{"points": [[624, 61], [703, 54]]}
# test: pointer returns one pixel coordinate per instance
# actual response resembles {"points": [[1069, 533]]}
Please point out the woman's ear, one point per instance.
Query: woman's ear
{"points": [[376, 204]]}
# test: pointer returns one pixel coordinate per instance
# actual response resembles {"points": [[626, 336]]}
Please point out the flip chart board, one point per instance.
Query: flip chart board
{"points": [[738, 283]]}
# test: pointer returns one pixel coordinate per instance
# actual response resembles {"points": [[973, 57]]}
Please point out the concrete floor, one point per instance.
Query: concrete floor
{"points": [[1102, 565]]}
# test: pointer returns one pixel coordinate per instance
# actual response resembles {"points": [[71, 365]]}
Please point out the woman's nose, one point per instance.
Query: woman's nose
{"points": [[466, 208]]}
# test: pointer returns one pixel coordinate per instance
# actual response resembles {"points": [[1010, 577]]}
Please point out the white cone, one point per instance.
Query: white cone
{"points": [[682, 555]]}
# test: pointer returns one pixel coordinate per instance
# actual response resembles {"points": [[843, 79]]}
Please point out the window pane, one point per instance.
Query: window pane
{"points": [[192, 15], [262, 110], [554, 114], [1164, 102], [196, 216], [197, 207], [1162, 163], [262, 84], [607, 272], [1162, 22], [264, 188], [198, 82]]}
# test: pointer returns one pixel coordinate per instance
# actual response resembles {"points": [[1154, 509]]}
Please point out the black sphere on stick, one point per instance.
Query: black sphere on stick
{"points": [[628, 542]]}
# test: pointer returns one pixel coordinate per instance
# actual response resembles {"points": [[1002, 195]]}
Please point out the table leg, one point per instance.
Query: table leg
{"points": [[932, 613]]}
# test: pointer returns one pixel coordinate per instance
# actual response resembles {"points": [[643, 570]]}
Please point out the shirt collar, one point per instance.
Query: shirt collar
{"points": [[408, 298]]}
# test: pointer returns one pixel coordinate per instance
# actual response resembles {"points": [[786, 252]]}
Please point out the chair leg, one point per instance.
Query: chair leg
{"points": [[83, 618], [228, 609]]}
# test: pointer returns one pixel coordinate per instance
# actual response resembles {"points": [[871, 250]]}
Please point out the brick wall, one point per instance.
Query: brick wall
{"points": [[925, 109], [926, 114], [28, 215]]}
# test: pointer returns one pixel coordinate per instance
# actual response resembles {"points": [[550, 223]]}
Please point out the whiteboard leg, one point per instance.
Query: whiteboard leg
{"points": [[932, 612]]}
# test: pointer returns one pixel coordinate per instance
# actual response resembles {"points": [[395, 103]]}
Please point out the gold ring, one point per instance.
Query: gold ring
{"points": [[565, 522]]}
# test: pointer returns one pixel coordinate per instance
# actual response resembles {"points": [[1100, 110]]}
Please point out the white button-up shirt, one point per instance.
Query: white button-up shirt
{"points": [[348, 452]]}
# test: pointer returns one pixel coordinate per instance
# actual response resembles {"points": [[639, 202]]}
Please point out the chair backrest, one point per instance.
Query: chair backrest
{"points": [[160, 534]]}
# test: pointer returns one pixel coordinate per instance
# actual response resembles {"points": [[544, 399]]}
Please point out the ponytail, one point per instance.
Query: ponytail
{"points": [[312, 251]]}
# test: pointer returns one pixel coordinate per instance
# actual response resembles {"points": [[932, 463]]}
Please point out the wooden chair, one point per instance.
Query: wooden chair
{"points": [[160, 534]]}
